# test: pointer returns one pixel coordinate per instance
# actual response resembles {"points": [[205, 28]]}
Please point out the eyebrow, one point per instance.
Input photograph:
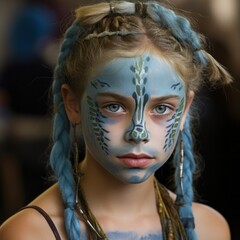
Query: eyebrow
{"points": [[164, 98], [113, 95], [120, 97]]}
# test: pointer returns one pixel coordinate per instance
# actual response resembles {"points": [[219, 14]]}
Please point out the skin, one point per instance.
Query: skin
{"points": [[127, 199], [29, 225], [130, 108]]}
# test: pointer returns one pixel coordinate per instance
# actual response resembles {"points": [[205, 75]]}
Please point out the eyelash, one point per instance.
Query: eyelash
{"points": [[108, 108], [167, 110], [121, 109]]}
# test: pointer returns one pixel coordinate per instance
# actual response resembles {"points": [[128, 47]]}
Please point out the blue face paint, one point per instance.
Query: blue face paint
{"points": [[118, 235], [133, 235], [138, 131], [131, 113]]}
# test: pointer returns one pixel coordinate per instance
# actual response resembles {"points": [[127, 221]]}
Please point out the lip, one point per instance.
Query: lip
{"points": [[136, 160]]}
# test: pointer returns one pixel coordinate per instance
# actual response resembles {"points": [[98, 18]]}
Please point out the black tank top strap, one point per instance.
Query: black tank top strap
{"points": [[47, 218]]}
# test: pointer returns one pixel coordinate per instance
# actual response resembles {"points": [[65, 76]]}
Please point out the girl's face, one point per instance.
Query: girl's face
{"points": [[131, 113]]}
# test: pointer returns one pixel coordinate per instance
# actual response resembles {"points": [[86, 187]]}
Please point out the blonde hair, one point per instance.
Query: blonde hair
{"points": [[86, 55]]}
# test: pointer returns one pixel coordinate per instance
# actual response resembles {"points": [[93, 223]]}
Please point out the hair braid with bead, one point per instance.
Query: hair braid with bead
{"points": [[184, 186]]}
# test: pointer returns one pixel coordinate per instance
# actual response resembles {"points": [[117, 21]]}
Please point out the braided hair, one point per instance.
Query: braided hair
{"points": [[60, 154], [103, 32]]}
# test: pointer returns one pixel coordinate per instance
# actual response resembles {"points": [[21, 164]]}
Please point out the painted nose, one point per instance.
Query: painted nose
{"points": [[138, 134]]}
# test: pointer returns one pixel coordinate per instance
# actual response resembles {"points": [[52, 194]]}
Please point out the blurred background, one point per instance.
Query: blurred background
{"points": [[30, 33]]}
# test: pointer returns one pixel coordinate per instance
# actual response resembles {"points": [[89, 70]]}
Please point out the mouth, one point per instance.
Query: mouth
{"points": [[136, 160]]}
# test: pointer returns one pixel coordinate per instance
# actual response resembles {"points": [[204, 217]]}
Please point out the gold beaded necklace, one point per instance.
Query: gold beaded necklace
{"points": [[96, 232]]}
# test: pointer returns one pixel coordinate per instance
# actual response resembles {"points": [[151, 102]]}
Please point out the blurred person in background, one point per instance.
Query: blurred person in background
{"points": [[25, 73]]}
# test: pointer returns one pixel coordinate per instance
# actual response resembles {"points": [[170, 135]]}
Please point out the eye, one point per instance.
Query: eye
{"points": [[114, 108], [162, 110]]}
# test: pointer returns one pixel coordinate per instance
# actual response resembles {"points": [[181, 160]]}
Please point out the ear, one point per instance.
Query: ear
{"points": [[71, 104], [188, 104]]}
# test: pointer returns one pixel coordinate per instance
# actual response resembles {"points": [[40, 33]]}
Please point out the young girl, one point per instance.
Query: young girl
{"points": [[126, 77]]}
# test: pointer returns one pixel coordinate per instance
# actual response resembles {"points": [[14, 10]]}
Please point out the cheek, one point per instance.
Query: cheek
{"points": [[160, 142], [92, 129], [87, 131], [116, 130], [164, 135], [158, 134]]}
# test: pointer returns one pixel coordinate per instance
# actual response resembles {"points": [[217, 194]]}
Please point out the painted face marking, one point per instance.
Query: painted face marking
{"points": [[119, 235], [97, 83], [140, 96], [97, 121], [138, 130], [174, 86], [136, 178], [133, 235], [173, 127]]}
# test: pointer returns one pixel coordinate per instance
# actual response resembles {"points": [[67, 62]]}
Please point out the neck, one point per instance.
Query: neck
{"points": [[114, 196], [116, 207]]}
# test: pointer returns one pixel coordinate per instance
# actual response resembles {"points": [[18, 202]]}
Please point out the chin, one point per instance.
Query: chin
{"points": [[133, 179]]}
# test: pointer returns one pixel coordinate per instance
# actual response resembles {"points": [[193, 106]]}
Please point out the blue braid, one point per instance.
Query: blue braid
{"points": [[179, 26], [189, 166], [182, 31], [60, 154]]}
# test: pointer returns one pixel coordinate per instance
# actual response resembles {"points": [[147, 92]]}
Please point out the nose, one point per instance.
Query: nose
{"points": [[138, 134]]}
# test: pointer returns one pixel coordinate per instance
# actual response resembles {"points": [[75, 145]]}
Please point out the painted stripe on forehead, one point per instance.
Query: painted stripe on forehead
{"points": [[116, 75], [138, 130]]}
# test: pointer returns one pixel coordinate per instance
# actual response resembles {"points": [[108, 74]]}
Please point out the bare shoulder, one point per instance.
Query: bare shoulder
{"points": [[29, 224], [210, 224], [26, 224]]}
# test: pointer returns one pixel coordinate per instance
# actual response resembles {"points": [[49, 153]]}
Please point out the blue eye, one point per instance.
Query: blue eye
{"points": [[162, 109], [114, 108]]}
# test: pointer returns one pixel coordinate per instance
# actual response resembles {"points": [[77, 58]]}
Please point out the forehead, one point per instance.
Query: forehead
{"points": [[122, 75]]}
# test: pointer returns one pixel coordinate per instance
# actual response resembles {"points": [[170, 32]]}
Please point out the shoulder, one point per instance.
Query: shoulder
{"points": [[210, 224], [28, 224]]}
